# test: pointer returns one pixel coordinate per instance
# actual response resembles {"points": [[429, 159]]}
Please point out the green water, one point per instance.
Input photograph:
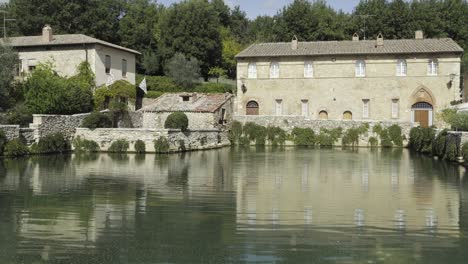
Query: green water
{"points": [[234, 206]]}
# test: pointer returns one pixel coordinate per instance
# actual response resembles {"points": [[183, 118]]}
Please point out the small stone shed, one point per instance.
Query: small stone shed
{"points": [[204, 111]]}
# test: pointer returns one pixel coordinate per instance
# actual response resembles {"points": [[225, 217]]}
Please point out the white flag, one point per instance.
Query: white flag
{"points": [[143, 86]]}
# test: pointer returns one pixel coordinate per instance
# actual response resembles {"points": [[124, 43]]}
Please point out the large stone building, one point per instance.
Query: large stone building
{"points": [[109, 62], [406, 80]]}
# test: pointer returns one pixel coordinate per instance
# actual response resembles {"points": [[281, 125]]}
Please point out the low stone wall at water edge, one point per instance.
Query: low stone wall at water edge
{"points": [[178, 141], [44, 125], [288, 123], [11, 131]]}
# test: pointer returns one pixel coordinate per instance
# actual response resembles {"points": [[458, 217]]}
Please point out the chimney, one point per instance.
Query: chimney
{"points": [[294, 43], [356, 37], [379, 40], [419, 34], [47, 35]]}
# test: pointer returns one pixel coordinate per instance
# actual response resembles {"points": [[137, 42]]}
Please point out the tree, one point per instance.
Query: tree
{"points": [[217, 72], [370, 18], [8, 62], [398, 23], [183, 71], [231, 47], [192, 28]]}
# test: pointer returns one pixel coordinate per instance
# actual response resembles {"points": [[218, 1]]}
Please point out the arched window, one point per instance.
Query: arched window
{"points": [[252, 71], [323, 115], [347, 115], [252, 108], [360, 68], [274, 70], [308, 69], [402, 67], [432, 67]]}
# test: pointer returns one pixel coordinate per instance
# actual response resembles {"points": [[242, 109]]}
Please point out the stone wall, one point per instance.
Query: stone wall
{"points": [[11, 131], [44, 125], [288, 123], [196, 120], [192, 140]]}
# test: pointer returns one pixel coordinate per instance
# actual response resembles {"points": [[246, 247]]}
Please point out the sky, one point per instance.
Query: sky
{"points": [[254, 8]]}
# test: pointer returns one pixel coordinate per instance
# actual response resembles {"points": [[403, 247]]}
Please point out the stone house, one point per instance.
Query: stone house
{"points": [[407, 80], [204, 111], [108, 61]]}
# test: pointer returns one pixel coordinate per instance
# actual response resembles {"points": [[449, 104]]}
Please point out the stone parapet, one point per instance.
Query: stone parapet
{"points": [[11, 131]]}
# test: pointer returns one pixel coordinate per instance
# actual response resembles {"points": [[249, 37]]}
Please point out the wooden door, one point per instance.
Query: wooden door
{"points": [[422, 117], [252, 108]]}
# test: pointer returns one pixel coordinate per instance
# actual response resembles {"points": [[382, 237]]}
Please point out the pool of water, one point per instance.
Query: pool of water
{"points": [[234, 206]]}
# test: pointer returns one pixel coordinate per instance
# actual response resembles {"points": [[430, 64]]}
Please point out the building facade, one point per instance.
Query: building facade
{"points": [[375, 80], [109, 62]]}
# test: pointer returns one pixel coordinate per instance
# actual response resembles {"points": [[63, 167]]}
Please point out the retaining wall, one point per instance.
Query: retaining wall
{"points": [[191, 140], [11, 131], [44, 125]]}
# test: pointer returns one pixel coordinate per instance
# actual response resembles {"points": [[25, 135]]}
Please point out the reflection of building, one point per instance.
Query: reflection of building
{"points": [[66, 52], [366, 191], [394, 80]]}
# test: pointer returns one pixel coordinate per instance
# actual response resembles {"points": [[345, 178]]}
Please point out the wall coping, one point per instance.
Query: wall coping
{"points": [[9, 126], [42, 115], [146, 129]]}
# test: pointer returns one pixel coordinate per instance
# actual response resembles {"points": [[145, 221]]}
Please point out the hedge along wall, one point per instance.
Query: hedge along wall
{"points": [[178, 141], [288, 123]]}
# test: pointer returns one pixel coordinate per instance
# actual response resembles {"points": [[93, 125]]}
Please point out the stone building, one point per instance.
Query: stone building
{"points": [[204, 111], [406, 80], [109, 62]]}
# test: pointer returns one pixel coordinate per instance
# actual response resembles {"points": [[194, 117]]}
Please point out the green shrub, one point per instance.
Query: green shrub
{"points": [[276, 135], [303, 136], [439, 145], [255, 133], [421, 139], [140, 147], [394, 132], [351, 136], [377, 129], [177, 120], [451, 152], [119, 91], [374, 142], [3, 141], [119, 146], [20, 115], [161, 145], [328, 137], [84, 145], [235, 133], [97, 120], [154, 94], [54, 143], [385, 140], [16, 148]]}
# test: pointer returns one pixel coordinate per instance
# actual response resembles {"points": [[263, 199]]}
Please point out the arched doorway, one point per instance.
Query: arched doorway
{"points": [[422, 114], [323, 115], [252, 108], [347, 115]]}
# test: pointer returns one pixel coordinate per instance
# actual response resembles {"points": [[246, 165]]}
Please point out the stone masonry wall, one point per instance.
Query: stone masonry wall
{"points": [[196, 120], [192, 140], [49, 124], [11, 131], [288, 123]]}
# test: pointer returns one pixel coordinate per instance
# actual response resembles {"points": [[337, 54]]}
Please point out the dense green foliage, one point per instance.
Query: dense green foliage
{"points": [[161, 145], [457, 121], [8, 62], [439, 145], [235, 132], [15, 148], [276, 135], [20, 115], [3, 141], [421, 139], [464, 151], [329, 137], [97, 120], [183, 71], [119, 146], [351, 136], [84, 145], [140, 147], [49, 93], [119, 91], [177, 120], [54, 143], [303, 136], [390, 136]]}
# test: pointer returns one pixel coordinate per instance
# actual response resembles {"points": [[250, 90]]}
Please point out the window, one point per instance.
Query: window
{"points": [[305, 108], [252, 108], [323, 115], [32, 64], [365, 108], [401, 68], [395, 108], [124, 68], [19, 68], [252, 71], [347, 115], [222, 119], [432, 67], [360, 68], [185, 98], [279, 107], [274, 70], [108, 64], [308, 69]]}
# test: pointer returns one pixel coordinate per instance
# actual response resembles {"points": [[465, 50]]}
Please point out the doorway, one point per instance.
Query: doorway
{"points": [[422, 114]]}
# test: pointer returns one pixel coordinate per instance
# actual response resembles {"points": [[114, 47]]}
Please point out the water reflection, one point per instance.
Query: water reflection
{"points": [[248, 205]]}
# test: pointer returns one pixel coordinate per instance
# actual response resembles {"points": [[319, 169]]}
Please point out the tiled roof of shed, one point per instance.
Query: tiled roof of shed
{"points": [[199, 103], [61, 40], [362, 47]]}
